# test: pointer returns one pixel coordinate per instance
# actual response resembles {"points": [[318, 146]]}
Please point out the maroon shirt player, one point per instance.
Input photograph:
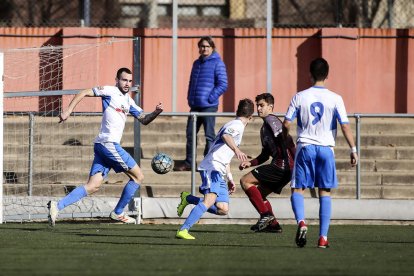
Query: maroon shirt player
{"points": [[268, 178]]}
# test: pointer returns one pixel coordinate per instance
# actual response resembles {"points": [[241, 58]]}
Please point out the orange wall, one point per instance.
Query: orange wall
{"points": [[374, 75]]}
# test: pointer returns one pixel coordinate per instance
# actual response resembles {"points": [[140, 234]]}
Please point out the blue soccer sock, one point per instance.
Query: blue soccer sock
{"points": [[325, 207], [298, 206], [194, 216], [193, 199], [129, 191], [212, 209], [77, 194]]}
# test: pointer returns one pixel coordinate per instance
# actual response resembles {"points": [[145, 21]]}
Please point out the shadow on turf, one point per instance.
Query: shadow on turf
{"points": [[186, 243]]}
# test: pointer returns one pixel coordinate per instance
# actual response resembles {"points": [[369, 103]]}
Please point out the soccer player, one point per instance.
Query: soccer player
{"points": [[317, 110], [109, 154], [213, 168], [269, 178]]}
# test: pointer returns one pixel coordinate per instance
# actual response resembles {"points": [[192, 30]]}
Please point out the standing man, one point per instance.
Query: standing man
{"points": [[269, 178], [213, 168], [208, 81], [317, 110], [109, 154]]}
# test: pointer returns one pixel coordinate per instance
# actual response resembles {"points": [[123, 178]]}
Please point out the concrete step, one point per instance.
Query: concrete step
{"points": [[163, 123], [163, 190], [46, 160], [62, 172], [177, 151]]}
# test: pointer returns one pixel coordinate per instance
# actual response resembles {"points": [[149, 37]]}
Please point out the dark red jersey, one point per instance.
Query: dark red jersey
{"points": [[274, 144]]}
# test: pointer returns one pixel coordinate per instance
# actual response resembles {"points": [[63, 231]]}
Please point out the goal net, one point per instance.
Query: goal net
{"points": [[44, 160]]}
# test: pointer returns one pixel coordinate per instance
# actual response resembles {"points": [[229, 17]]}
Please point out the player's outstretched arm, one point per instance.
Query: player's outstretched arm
{"points": [[230, 181], [230, 143], [66, 113], [146, 119], [346, 130]]}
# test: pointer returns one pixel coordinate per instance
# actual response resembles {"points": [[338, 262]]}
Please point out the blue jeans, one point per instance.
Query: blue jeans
{"points": [[208, 122]]}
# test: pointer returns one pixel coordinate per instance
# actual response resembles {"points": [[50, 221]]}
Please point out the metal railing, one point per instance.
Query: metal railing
{"points": [[356, 116], [137, 143]]}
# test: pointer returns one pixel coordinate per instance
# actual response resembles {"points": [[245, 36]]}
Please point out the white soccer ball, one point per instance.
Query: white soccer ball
{"points": [[162, 163]]}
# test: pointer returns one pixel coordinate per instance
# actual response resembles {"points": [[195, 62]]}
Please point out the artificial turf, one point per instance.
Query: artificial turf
{"points": [[115, 249]]}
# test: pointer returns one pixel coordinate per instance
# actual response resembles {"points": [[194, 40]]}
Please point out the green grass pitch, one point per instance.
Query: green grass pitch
{"points": [[114, 249]]}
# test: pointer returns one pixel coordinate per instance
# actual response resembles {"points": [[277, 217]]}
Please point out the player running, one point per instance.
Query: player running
{"points": [[272, 177], [213, 168], [317, 110], [109, 154]]}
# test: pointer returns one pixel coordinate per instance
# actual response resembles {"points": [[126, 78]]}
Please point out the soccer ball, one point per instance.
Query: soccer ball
{"points": [[162, 163]]}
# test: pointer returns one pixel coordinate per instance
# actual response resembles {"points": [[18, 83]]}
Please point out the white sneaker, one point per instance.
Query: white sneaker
{"points": [[122, 217], [53, 212]]}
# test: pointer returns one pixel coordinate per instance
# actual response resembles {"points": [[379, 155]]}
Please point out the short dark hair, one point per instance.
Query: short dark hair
{"points": [[122, 70], [319, 69], [267, 97], [209, 40], [245, 108]]}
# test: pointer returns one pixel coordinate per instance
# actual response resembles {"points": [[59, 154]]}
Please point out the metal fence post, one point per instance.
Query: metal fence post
{"points": [[358, 143], [137, 98], [194, 154], [136, 200], [30, 163]]}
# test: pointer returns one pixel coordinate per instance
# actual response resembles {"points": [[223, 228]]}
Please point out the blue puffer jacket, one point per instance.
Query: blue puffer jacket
{"points": [[208, 81]]}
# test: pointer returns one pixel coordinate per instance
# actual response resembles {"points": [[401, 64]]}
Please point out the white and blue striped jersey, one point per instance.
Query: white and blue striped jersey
{"points": [[317, 110], [115, 107], [219, 154]]}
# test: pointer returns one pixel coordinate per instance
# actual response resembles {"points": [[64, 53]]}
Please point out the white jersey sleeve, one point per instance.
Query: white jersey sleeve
{"points": [[134, 109], [317, 111], [220, 154]]}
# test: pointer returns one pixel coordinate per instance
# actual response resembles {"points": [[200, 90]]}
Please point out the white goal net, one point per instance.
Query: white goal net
{"points": [[42, 159]]}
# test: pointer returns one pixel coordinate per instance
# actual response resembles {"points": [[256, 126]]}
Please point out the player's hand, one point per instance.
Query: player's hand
{"points": [[231, 186], [245, 165], [354, 159], [63, 116], [159, 107], [240, 155]]}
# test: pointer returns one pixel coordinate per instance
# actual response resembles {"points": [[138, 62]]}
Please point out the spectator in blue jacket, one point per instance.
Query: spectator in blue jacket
{"points": [[208, 81]]}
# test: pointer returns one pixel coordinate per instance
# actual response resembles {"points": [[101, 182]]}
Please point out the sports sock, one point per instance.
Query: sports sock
{"points": [[129, 191], [325, 207], [270, 210], [193, 199], [298, 206], [194, 216], [269, 207], [256, 199], [212, 209], [77, 194]]}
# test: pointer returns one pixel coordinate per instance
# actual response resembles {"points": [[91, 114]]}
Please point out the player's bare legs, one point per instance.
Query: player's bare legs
{"points": [[222, 208], [250, 186], [94, 183], [195, 215], [135, 177]]}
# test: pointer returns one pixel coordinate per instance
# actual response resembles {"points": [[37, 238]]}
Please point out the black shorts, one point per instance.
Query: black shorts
{"points": [[272, 177]]}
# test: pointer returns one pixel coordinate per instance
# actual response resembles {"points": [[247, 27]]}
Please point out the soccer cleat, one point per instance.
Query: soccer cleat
{"points": [[274, 227], [183, 234], [183, 203], [301, 234], [122, 218], [53, 212], [262, 223], [322, 243]]}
